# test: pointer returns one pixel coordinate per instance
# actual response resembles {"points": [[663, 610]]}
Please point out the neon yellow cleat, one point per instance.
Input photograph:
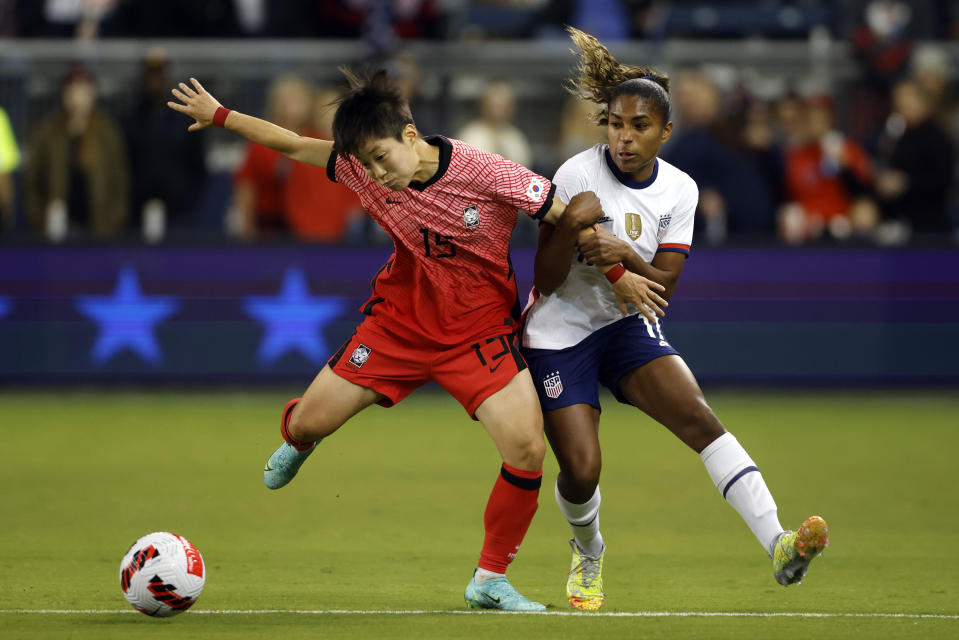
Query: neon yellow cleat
{"points": [[795, 550], [584, 587]]}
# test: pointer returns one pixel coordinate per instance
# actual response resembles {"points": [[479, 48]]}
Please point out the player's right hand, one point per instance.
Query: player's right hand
{"points": [[632, 288], [196, 103], [582, 212]]}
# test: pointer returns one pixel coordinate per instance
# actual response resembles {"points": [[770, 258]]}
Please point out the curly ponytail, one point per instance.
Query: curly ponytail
{"points": [[600, 78]]}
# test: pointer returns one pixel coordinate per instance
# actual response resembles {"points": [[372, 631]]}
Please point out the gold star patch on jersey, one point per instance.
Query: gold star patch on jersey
{"points": [[634, 226]]}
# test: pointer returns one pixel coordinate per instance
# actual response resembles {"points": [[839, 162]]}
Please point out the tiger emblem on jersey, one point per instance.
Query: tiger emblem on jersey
{"points": [[471, 216], [634, 226], [360, 355]]}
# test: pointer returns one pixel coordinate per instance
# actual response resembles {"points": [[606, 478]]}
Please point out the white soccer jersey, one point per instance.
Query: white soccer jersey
{"points": [[655, 215]]}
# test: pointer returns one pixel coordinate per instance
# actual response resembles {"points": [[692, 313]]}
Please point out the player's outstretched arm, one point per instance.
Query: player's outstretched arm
{"points": [[199, 104]]}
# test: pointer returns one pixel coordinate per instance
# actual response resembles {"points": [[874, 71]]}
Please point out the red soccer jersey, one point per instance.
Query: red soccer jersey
{"points": [[449, 279]]}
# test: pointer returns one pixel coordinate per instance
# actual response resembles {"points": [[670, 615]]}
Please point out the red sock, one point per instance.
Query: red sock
{"points": [[287, 412], [508, 514]]}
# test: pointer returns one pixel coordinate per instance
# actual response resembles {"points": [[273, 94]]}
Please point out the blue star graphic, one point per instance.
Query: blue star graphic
{"points": [[294, 320], [126, 319]]}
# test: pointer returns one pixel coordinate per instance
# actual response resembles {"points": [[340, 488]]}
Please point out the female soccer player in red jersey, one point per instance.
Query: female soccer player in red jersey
{"points": [[574, 337], [443, 308]]}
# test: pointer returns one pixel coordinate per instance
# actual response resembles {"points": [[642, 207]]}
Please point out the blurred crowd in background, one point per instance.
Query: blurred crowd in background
{"points": [[777, 161]]}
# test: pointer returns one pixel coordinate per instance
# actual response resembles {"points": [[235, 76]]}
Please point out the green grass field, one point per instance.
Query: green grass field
{"points": [[378, 535]]}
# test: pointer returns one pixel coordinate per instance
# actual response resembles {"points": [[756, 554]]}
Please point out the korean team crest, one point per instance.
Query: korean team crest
{"points": [[360, 355], [471, 216], [634, 226], [553, 385], [535, 189]]}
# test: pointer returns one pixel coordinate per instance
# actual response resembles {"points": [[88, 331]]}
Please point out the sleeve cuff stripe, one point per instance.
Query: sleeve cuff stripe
{"points": [[677, 247], [331, 166], [547, 203]]}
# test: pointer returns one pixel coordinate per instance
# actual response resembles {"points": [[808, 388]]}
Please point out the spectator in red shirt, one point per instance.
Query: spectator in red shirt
{"points": [[317, 209], [260, 183], [828, 181]]}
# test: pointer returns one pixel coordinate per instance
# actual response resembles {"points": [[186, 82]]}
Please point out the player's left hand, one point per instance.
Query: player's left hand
{"points": [[599, 246], [197, 103], [632, 288]]}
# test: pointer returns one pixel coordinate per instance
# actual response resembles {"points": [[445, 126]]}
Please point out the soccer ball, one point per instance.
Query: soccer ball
{"points": [[162, 574]]}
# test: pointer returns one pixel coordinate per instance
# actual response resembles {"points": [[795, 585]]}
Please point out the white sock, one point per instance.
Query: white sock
{"points": [[583, 521], [482, 575], [736, 476]]}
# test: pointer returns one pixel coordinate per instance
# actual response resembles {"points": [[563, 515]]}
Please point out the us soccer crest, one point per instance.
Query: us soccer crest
{"points": [[664, 221], [634, 226], [471, 216], [360, 355], [553, 385]]}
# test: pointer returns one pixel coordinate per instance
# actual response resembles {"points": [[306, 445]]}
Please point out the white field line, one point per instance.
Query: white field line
{"points": [[418, 612]]}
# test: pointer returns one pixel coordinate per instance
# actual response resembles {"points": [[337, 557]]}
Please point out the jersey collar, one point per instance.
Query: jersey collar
{"points": [[446, 152], [625, 179]]}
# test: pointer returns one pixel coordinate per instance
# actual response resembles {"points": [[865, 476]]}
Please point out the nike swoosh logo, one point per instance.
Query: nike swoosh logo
{"points": [[493, 370], [388, 201], [491, 598]]}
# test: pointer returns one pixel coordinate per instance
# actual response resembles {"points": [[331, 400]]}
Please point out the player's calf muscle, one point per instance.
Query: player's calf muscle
{"points": [[314, 419]]}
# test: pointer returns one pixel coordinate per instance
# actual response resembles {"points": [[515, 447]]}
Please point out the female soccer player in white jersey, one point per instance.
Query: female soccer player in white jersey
{"points": [[574, 337], [444, 307]]}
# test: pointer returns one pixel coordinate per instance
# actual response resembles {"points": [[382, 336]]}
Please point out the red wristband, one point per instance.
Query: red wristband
{"points": [[219, 116], [615, 273]]}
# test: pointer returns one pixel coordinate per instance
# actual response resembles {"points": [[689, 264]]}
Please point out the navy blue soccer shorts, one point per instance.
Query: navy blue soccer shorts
{"points": [[569, 376]]}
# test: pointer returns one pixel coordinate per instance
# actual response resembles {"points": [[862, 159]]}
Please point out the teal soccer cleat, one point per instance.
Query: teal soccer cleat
{"points": [[285, 461], [283, 465], [498, 593]]}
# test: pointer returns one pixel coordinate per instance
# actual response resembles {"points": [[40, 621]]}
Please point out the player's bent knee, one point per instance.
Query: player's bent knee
{"points": [[536, 452], [585, 481], [528, 456]]}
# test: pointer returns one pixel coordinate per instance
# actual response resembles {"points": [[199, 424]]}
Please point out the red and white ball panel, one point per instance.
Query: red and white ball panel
{"points": [[162, 574]]}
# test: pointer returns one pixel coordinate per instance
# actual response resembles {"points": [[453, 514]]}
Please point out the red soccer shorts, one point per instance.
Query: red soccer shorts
{"points": [[471, 372]]}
